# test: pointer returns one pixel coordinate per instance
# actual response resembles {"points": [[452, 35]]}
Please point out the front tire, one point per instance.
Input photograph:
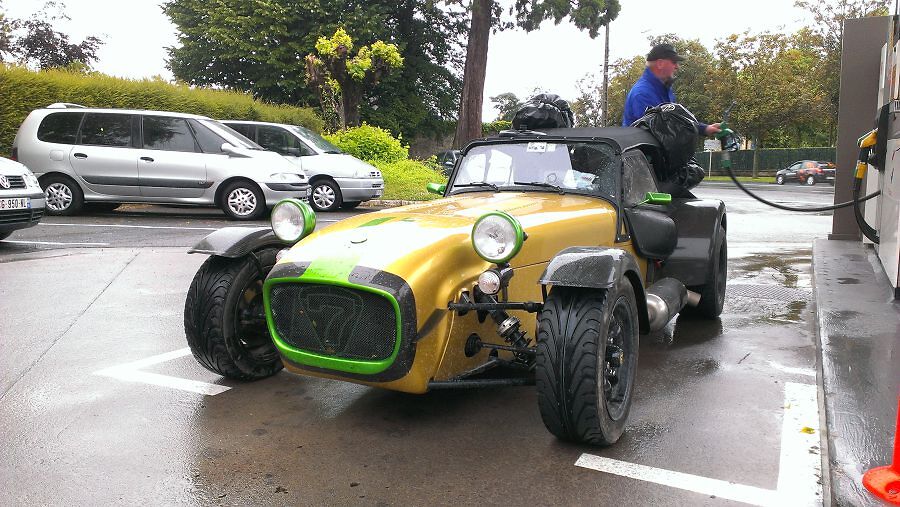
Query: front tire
{"points": [[325, 195], [586, 362], [224, 320], [242, 200], [63, 196], [779, 179], [810, 180]]}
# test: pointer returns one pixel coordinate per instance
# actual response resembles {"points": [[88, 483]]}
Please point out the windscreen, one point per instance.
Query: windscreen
{"points": [[577, 167], [319, 142]]}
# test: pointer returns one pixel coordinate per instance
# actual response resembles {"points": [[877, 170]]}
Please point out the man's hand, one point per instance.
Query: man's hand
{"points": [[713, 129]]}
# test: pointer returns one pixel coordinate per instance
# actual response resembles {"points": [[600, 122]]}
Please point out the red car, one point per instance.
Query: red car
{"points": [[807, 171]]}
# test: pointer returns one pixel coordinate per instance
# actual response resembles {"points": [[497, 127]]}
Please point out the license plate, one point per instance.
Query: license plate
{"points": [[15, 203]]}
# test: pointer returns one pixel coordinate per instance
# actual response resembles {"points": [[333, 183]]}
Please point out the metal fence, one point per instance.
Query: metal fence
{"points": [[767, 161]]}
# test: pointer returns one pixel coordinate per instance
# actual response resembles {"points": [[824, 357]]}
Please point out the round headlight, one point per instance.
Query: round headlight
{"points": [[497, 237], [292, 220]]}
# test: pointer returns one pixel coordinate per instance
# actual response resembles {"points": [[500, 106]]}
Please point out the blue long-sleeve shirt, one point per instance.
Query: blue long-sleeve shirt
{"points": [[648, 91]]}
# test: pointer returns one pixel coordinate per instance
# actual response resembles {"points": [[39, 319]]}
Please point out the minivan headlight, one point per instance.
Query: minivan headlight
{"points": [[292, 220], [31, 181], [497, 237], [287, 178]]}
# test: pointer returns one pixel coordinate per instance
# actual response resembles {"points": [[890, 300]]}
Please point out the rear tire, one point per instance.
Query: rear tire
{"points": [[224, 320], [712, 294], [587, 349], [810, 180], [63, 196]]}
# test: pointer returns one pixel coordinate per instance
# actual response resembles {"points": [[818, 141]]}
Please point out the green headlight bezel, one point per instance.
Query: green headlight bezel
{"points": [[306, 211], [519, 240]]}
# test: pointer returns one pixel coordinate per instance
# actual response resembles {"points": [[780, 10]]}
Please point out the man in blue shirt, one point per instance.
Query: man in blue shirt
{"points": [[655, 87]]}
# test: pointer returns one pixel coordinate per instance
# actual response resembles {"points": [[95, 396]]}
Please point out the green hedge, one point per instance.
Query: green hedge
{"points": [[767, 160], [406, 179], [24, 90], [369, 143]]}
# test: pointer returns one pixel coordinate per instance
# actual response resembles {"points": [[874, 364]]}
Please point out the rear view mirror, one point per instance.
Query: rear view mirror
{"points": [[436, 188], [657, 198]]}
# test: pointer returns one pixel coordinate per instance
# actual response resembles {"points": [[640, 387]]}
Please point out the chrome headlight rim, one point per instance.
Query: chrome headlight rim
{"points": [[518, 237], [295, 209]]}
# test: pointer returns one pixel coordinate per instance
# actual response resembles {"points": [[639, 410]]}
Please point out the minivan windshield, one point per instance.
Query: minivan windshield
{"points": [[318, 142], [577, 167], [232, 136]]}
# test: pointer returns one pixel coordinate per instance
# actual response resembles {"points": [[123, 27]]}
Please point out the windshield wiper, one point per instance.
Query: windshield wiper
{"points": [[541, 184], [493, 187]]}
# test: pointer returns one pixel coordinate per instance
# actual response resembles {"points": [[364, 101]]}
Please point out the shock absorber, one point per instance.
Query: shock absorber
{"points": [[507, 328]]}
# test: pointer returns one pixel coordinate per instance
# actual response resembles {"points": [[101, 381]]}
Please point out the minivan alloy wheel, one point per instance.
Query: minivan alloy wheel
{"points": [[323, 195], [59, 196], [242, 202]]}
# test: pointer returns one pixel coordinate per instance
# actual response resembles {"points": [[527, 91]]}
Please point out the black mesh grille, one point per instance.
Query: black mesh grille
{"points": [[335, 321], [20, 216]]}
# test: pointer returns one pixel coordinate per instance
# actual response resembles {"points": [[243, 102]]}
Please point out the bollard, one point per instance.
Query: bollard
{"points": [[884, 482]]}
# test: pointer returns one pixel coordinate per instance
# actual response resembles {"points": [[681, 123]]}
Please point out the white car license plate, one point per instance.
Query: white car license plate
{"points": [[15, 203]]}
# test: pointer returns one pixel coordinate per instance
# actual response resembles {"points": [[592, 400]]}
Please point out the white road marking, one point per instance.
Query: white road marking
{"points": [[799, 467], [809, 372], [130, 372], [704, 485], [53, 243], [124, 226]]}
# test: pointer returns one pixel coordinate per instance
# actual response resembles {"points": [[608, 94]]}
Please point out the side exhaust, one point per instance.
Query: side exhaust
{"points": [[665, 298]]}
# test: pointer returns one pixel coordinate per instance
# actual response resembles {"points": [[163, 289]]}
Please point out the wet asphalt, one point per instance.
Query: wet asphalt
{"points": [[86, 295]]}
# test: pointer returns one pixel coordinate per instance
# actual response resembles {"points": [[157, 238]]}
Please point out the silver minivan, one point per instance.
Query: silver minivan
{"points": [[103, 157], [337, 180]]}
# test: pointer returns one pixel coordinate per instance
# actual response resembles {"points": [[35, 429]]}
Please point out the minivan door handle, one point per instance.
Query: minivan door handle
{"points": [[79, 155], [147, 159]]}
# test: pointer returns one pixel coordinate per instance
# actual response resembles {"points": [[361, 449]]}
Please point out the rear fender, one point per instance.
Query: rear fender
{"points": [[698, 222], [598, 268], [234, 242]]}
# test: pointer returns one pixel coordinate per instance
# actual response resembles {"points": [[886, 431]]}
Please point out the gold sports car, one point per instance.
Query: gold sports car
{"points": [[548, 255]]}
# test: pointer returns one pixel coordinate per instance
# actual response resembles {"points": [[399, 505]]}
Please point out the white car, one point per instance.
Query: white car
{"points": [[103, 157], [21, 198], [337, 180]]}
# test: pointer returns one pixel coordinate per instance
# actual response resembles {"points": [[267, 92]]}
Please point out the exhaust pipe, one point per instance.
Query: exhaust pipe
{"points": [[665, 298]]}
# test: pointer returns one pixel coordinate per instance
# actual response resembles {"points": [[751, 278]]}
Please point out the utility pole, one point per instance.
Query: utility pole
{"points": [[603, 116]]}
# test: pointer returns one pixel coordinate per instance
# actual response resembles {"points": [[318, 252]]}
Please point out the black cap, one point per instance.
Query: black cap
{"points": [[664, 52]]}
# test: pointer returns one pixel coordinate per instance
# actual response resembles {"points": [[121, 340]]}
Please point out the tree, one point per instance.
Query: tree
{"points": [[828, 27], [335, 74], [35, 43], [587, 15], [506, 105], [236, 44]]}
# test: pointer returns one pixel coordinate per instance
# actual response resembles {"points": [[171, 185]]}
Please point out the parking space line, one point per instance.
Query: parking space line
{"points": [[808, 372], [18, 242], [131, 372], [799, 464]]}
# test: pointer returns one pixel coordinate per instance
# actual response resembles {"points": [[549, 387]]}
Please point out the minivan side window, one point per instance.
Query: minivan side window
{"points": [[60, 128], [209, 141], [106, 129], [281, 141], [166, 133]]}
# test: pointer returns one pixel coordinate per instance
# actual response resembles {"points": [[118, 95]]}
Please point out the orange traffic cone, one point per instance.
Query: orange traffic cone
{"points": [[884, 482]]}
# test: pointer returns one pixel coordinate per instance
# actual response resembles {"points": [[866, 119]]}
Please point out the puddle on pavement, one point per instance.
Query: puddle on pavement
{"points": [[788, 272]]}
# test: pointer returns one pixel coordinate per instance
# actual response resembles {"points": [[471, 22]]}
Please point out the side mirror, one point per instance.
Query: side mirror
{"points": [[233, 151], [436, 188], [657, 198]]}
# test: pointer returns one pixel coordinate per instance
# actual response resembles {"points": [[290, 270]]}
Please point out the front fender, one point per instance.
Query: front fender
{"points": [[598, 268], [234, 242]]}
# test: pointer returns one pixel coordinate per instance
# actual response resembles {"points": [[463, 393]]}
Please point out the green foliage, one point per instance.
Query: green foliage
{"points": [[25, 90], [33, 41], [406, 179], [506, 104], [495, 126], [369, 143]]}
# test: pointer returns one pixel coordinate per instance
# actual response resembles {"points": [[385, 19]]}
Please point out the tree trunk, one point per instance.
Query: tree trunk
{"points": [[603, 115], [351, 93], [471, 101]]}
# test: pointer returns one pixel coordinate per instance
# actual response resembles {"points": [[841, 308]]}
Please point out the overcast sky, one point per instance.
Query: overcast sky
{"points": [[136, 33]]}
